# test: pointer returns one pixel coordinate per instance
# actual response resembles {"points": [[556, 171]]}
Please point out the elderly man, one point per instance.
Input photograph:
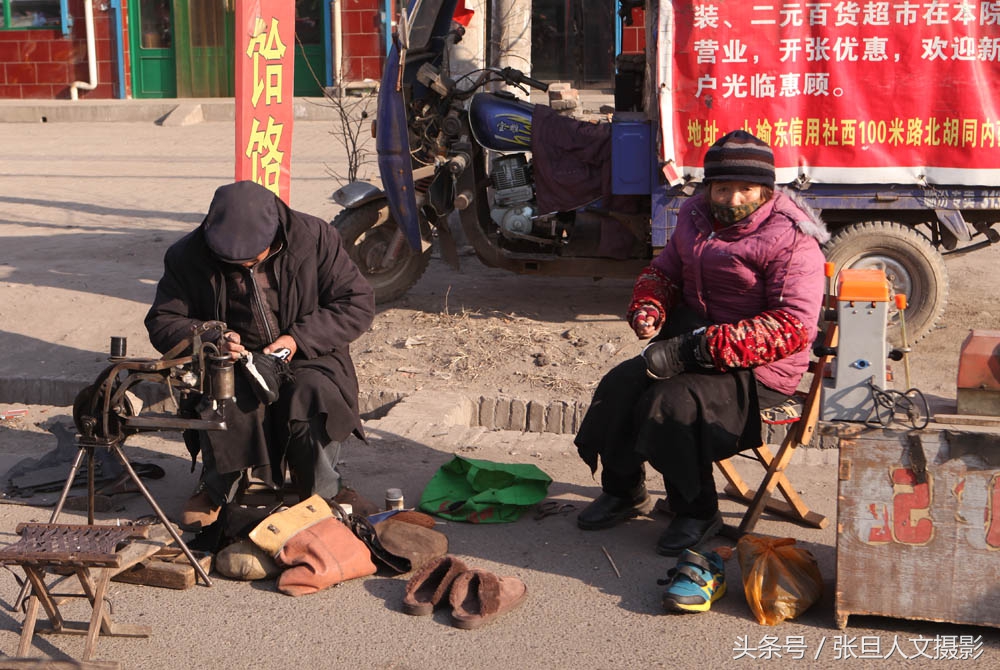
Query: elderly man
{"points": [[284, 285]]}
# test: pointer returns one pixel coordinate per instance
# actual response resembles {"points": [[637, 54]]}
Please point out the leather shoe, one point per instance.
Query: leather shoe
{"points": [[608, 510], [685, 532], [199, 512]]}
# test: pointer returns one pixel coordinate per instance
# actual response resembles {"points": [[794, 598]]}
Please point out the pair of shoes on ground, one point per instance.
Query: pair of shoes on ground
{"points": [[697, 581], [608, 510], [199, 511], [476, 596]]}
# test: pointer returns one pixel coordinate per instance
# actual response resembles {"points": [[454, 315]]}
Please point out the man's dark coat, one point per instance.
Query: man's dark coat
{"points": [[324, 304]]}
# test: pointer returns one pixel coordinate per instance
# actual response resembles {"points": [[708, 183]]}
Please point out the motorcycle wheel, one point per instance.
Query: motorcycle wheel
{"points": [[368, 231]]}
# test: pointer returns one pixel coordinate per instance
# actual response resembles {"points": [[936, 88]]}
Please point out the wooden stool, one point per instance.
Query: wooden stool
{"points": [[800, 432], [92, 554]]}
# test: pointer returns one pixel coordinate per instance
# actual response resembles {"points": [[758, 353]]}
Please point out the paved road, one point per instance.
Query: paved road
{"points": [[87, 211]]}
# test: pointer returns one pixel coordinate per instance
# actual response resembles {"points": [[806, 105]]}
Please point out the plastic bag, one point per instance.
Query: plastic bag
{"points": [[781, 580], [467, 489]]}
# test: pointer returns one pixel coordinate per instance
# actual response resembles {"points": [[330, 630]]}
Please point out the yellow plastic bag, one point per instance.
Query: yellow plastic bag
{"points": [[780, 579]]}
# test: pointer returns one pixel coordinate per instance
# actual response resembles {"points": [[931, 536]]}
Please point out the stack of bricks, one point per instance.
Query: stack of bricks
{"points": [[563, 98]]}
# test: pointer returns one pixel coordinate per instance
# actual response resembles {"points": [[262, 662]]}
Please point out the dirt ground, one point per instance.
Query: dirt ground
{"points": [[490, 332], [126, 194]]}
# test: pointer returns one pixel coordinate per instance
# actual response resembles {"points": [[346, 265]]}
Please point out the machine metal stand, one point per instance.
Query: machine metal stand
{"points": [[107, 412]]}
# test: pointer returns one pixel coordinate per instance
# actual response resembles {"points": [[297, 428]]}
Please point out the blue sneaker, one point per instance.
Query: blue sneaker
{"points": [[697, 581]]}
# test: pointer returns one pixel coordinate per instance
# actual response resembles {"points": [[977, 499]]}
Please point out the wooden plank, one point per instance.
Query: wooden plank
{"points": [[169, 568], [52, 664], [968, 419], [134, 531]]}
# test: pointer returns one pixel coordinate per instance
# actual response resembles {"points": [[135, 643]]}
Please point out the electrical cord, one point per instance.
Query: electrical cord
{"points": [[887, 403]]}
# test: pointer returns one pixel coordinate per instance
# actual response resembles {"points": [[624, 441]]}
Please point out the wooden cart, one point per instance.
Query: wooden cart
{"points": [[918, 526]]}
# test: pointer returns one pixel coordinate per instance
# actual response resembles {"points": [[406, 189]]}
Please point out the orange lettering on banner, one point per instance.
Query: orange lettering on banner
{"points": [[911, 502]]}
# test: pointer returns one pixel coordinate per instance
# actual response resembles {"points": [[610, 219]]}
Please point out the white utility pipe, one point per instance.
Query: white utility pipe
{"points": [[338, 47], [88, 17]]}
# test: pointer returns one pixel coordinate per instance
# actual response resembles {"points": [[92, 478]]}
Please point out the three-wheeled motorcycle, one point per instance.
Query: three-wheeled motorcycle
{"points": [[539, 192]]}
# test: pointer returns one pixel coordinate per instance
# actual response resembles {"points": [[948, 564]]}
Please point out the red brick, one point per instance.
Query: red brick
{"points": [[373, 5], [36, 91], [362, 45], [352, 69], [40, 51], [371, 68], [351, 23], [103, 50], [53, 73], [10, 52], [102, 29], [62, 50], [21, 73], [630, 41], [10, 91]]}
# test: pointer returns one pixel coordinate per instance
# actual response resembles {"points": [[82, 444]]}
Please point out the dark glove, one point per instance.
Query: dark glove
{"points": [[266, 373], [670, 357]]}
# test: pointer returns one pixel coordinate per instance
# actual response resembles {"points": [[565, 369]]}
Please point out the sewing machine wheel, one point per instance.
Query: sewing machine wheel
{"points": [[87, 409]]}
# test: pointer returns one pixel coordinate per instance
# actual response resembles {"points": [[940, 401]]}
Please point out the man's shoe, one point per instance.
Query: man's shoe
{"points": [[608, 510], [199, 511], [685, 532]]}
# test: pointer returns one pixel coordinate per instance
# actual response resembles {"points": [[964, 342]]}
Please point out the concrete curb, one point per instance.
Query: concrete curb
{"points": [[168, 112], [411, 414]]}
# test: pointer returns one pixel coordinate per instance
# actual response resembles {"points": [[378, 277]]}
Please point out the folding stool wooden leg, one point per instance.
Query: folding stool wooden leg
{"points": [[795, 509], [801, 433]]}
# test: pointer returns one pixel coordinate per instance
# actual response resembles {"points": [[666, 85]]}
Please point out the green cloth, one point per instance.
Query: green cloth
{"points": [[467, 489]]}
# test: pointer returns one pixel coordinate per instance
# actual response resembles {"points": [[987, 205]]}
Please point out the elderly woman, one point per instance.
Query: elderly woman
{"points": [[733, 299]]}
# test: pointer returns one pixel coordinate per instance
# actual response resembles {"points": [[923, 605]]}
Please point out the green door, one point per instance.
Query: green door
{"points": [[310, 69], [152, 48], [204, 52]]}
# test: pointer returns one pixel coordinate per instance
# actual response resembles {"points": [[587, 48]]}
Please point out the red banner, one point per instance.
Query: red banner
{"points": [[265, 50], [866, 91]]}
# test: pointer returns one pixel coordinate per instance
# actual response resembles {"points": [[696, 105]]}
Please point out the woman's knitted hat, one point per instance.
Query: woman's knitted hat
{"points": [[739, 156]]}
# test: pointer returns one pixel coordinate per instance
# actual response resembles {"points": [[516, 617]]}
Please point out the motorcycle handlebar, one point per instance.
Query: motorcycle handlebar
{"points": [[517, 77]]}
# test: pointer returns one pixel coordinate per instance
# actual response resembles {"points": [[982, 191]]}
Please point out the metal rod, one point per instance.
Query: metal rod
{"points": [[91, 466], [159, 513], [26, 587]]}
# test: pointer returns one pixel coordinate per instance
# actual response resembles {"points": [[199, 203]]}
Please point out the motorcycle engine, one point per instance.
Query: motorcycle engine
{"points": [[513, 194]]}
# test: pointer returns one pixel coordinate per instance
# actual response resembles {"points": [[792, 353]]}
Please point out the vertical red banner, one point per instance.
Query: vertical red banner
{"points": [[265, 57]]}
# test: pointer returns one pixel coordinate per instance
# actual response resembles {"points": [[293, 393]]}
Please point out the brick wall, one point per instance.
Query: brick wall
{"points": [[364, 43], [634, 36], [42, 63]]}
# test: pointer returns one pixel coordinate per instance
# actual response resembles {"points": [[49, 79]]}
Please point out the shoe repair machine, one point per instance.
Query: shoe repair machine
{"points": [[855, 389], [108, 411]]}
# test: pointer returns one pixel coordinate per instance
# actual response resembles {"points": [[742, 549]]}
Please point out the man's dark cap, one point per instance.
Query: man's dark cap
{"points": [[242, 221]]}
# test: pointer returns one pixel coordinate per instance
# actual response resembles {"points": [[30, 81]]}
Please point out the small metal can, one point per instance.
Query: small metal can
{"points": [[393, 499]]}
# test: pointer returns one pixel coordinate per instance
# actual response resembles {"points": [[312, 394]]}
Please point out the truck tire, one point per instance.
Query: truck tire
{"points": [[911, 263], [367, 231]]}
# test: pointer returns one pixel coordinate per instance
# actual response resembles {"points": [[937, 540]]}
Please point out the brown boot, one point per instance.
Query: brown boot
{"points": [[199, 511]]}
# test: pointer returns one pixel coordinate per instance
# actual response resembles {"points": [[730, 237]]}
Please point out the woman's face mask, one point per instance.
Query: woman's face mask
{"points": [[733, 201]]}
